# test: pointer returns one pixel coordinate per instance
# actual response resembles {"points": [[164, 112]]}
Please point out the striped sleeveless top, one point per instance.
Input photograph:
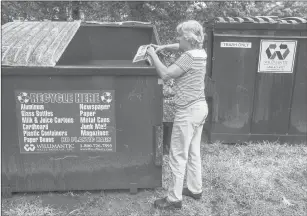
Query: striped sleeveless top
{"points": [[189, 88]]}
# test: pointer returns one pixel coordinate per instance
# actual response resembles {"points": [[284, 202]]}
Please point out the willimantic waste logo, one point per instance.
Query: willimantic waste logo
{"points": [[277, 56], [29, 147]]}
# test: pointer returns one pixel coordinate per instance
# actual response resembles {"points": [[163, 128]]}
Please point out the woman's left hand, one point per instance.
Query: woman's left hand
{"points": [[151, 51]]}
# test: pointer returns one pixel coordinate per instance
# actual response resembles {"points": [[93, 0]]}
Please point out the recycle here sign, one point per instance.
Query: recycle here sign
{"points": [[277, 56]]}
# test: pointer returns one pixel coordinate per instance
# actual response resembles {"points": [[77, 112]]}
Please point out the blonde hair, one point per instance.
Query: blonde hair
{"points": [[193, 32]]}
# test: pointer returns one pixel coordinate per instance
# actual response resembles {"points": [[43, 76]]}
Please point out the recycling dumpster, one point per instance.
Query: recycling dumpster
{"points": [[77, 114], [258, 65]]}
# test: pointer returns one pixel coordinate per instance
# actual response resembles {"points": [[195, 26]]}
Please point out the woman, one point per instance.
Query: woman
{"points": [[188, 73]]}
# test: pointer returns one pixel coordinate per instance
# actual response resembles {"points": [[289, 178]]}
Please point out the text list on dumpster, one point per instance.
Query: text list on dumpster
{"points": [[75, 121]]}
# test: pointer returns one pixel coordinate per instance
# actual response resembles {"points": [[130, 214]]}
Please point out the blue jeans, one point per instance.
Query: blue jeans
{"points": [[185, 149]]}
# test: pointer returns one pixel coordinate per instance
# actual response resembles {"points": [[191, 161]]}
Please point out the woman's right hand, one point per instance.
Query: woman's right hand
{"points": [[158, 48]]}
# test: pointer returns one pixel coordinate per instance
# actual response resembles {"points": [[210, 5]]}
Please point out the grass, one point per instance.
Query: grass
{"points": [[253, 180]]}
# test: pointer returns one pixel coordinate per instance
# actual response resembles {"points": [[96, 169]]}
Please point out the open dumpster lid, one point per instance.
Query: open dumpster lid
{"points": [[36, 43], [74, 44]]}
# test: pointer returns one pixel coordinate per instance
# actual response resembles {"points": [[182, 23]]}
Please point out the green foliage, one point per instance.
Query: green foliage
{"points": [[30, 10], [164, 14]]}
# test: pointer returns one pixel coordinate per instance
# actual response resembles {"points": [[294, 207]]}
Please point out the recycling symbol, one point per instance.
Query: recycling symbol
{"points": [[106, 97], [23, 97], [281, 53]]}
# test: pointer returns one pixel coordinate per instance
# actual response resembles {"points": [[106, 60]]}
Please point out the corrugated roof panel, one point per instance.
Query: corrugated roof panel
{"points": [[8, 26], [283, 21], [31, 43], [36, 43], [248, 19], [269, 19], [230, 19], [262, 19], [44, 51], [17, 42], [239, 19], [12, 35], [67, 35], [297, 19]]}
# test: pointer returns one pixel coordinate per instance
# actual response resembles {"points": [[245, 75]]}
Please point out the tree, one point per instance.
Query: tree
{"points": [[164, 14], [32, 10]]}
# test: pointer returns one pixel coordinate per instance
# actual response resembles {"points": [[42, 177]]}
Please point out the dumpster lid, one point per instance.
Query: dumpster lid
{"points": [[86, 44], [261, 19], [124, 23], [36, 43]]}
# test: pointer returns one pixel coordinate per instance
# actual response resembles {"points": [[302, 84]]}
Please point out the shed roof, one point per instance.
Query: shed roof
{"points": [[36, 43]]}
